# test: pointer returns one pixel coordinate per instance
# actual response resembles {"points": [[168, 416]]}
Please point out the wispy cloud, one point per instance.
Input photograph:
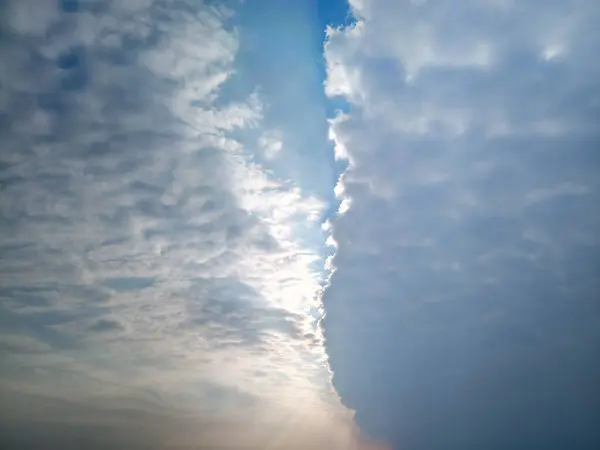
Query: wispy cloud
{"points": [[147, 261]]}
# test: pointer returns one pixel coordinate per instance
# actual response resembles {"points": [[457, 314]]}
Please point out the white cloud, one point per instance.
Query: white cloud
{"points": [[144, 254], [271, 144]]}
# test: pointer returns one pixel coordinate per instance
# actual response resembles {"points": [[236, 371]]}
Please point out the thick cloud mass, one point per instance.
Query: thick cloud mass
{"points": [[464, 309]]}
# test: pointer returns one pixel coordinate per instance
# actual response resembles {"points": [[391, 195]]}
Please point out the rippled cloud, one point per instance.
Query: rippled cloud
{"points": [[156, 279]]}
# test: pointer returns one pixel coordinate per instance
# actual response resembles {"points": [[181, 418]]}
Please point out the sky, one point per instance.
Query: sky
{"points": [[311, 224]]}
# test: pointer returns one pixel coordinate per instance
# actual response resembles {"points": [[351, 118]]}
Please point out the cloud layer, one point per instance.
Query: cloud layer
{"points": [[149, 263], [464, 310]]}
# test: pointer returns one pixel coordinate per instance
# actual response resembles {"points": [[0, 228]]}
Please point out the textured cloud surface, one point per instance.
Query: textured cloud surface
{"points": [[159, 287], [464, 312]]}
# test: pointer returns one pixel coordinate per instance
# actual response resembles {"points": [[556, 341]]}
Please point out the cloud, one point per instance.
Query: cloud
{"points": [[148, 263], [105, 325], [462, 311], [151, 425], [271, 145]]}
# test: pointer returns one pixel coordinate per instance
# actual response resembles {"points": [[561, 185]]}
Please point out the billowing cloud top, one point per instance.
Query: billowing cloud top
{"points": [[464, 309], [160, 283]]}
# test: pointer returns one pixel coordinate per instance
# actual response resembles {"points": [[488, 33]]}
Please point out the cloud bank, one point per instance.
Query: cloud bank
{"points": [[463, 311]]}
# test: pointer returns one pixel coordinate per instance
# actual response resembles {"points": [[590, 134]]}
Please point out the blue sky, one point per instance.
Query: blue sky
{"points": [[291, 225]]}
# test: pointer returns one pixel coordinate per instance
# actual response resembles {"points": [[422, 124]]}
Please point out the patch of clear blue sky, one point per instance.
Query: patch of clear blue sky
{"points": [[334, 13], [281, 52]]}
